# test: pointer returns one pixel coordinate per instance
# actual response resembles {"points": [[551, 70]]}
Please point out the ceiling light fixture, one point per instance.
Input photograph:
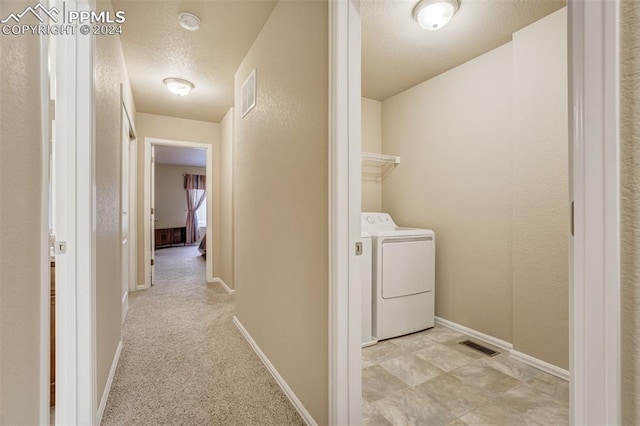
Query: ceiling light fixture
{"points": [[435, 14], [189, 21], [178, 86]]}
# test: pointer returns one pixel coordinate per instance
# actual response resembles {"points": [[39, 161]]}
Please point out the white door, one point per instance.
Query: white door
{"points": [[133, 197], [124, 216], [152, 183]]}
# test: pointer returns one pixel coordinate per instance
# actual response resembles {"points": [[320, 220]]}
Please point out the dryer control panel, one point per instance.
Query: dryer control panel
{"points": [[377, 221]]}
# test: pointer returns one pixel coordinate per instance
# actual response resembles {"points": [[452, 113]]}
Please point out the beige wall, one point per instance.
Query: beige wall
{"points": [[630, 180], [371, 142], [171, 199], [225, 271], [159, 126], [484, 164], [280, 199], [455, 178], [540, 191], [110, 74], [20, 177]]}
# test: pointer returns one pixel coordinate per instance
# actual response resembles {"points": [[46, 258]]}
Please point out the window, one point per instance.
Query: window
{"points": [[201, 213]]}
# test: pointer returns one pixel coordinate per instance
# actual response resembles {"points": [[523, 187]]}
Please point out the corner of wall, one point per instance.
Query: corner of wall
{"points": [[540, 188], [280, 195], [226, 222]]}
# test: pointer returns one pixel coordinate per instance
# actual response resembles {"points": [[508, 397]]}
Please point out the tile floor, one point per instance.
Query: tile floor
{"points": [[428, 378]]}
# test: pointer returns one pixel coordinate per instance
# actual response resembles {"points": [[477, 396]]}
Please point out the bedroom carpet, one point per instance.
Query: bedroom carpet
{"points": [[184, 362]]}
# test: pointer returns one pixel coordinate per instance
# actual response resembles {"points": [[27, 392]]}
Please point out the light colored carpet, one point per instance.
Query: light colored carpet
{"points": [[184, 362]]}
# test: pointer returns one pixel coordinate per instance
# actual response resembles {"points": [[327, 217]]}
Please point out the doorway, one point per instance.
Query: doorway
{"points": [[474, 148], [170, 223], [594, 393], [179, 202]]}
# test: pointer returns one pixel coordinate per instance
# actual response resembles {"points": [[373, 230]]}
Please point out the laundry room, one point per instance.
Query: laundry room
{"points": [[465, 167]]}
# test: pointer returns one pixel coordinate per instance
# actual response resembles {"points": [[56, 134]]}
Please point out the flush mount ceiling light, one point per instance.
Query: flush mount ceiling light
{"points": [[178, 86], [189, 21], [435, 14]]}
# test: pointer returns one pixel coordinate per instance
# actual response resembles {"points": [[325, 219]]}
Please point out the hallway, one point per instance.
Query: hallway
{"points": [[184, 362]]}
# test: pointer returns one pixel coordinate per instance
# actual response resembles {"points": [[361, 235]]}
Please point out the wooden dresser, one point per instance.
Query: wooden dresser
{"points": [[170, 236]]}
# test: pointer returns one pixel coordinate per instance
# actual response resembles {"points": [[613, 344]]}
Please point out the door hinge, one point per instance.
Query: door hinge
{"points": [[153, 262], [359, 248], [572, 221], [151, 210]]}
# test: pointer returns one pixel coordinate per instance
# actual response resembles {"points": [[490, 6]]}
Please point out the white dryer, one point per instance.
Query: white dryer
{"points": [[403, 272]]}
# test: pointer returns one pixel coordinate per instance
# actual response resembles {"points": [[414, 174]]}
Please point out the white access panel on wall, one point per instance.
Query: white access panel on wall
{"points": [[407, 267]]}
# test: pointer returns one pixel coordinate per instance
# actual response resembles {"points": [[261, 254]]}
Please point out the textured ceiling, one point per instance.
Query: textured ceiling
{"points": [[156, 47], [176, 156], [398, 54]]}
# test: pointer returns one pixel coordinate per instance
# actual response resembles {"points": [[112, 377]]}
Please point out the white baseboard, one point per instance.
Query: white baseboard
{"points": [[224, 285], [306, 416], [107, 386], [507, 347], [499, 343], [541, 365], [371, 342]]}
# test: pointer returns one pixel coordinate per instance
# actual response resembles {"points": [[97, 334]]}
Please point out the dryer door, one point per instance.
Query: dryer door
{"points": [[408, 266]]}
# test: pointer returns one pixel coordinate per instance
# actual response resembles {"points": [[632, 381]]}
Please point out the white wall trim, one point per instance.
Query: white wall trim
{"points": [[64, 229], [306, 416], [499, 343], [561, 373], [506, 347], [148, 142], [75, 224], [224, 285], [345, 372], [133, 198], [45, 264], [107, 386], [594, 294]]}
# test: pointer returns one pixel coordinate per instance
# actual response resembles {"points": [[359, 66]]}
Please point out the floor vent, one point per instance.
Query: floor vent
{"points": [[479, 348]]}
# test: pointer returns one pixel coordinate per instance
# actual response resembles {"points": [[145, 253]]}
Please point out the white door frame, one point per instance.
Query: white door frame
{"points": [[146, 222], [45, 263], [75, 225], [133, 204], [129, 168], [595, 189], [345, 371]]}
